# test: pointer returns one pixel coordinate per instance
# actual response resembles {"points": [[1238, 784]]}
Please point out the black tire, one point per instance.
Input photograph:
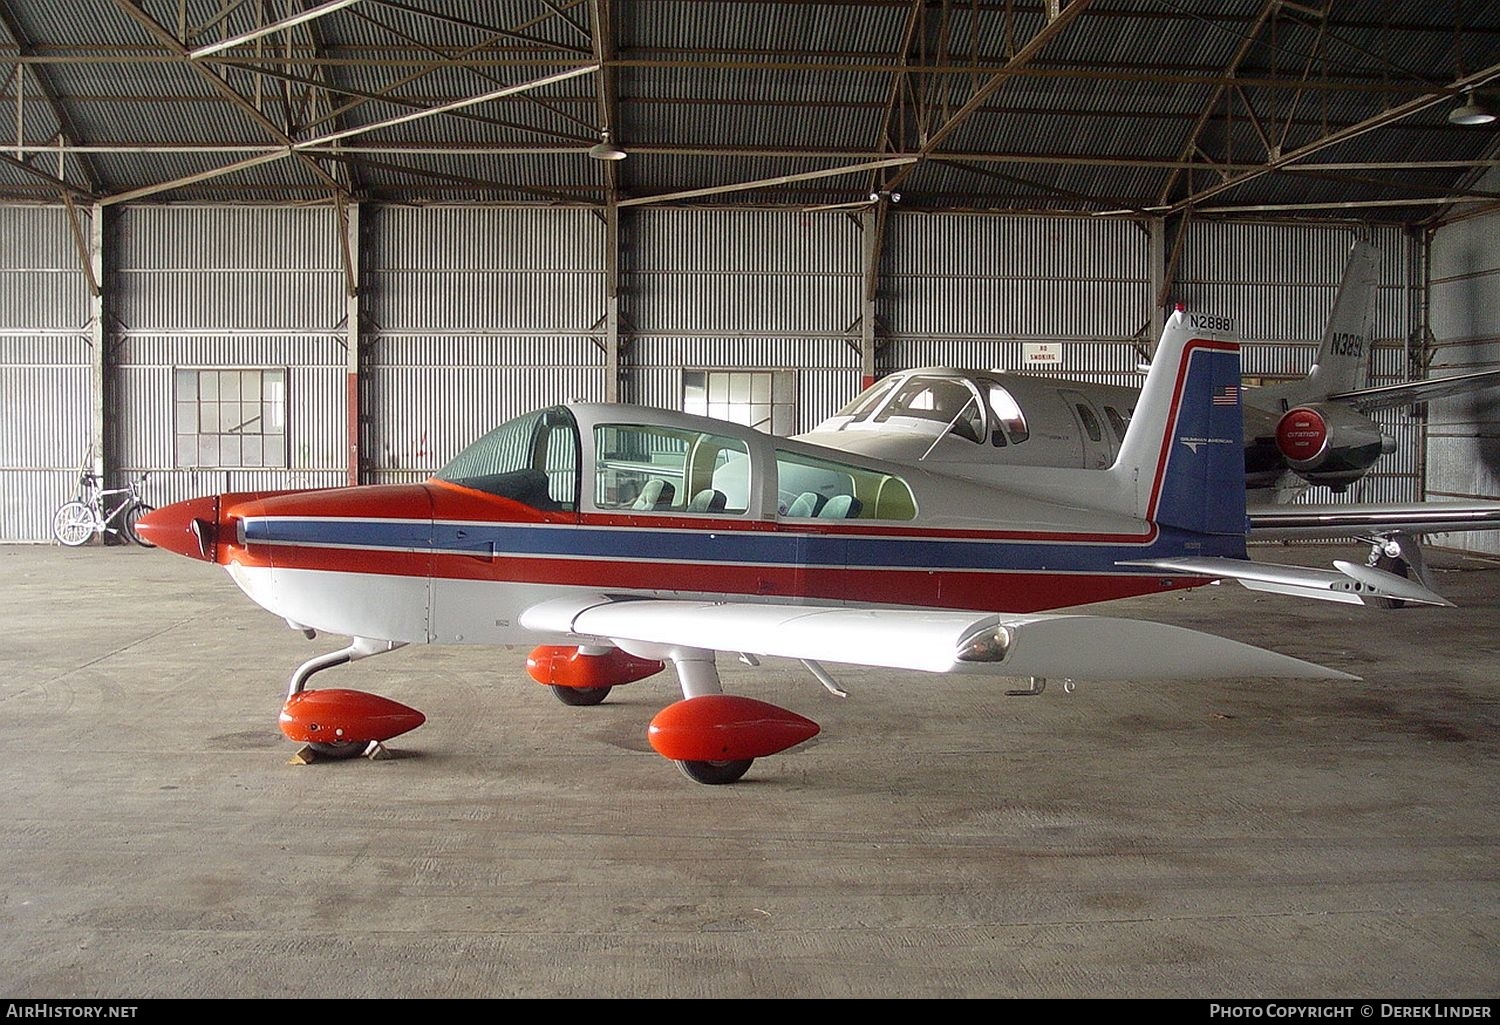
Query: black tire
{"points": [[580, 696], [715, 773], [339, 751], [1398, 566], [132, 514], [73, 524]]}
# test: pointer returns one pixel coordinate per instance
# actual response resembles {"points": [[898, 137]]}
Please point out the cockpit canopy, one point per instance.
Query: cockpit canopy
{"points": [[975, 407], [632, 460], [532, 459]]}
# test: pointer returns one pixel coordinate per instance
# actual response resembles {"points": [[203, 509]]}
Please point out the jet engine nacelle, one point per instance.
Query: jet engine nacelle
{"points": [[1327, 444], [565, 666]]}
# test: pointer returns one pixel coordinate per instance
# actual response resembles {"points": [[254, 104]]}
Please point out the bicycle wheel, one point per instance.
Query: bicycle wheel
{"points": [[73, 524], [132, 514]]}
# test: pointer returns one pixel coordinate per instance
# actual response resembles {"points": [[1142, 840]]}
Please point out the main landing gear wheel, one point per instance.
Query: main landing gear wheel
{"points": [[580, 695], [73, 524], [340, 750], [1398, 566], [715, 773]]}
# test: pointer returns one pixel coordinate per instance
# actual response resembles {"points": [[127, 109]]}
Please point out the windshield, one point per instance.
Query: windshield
{"points": [[533, 460]]}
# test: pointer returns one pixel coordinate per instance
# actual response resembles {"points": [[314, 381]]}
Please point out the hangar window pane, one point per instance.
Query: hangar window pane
{"points": [[763, 399], [230, 418]]}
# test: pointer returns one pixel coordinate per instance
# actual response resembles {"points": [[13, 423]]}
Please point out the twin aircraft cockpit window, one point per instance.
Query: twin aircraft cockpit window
{"points": [[980, 410]]}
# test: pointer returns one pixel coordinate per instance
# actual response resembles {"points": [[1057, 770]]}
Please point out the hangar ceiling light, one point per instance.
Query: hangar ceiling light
{"points": [[1471, 113], [606, 150]]}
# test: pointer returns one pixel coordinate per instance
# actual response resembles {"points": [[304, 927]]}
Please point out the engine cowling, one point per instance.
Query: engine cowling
{"points": [[1330, 445], [557, 665]]}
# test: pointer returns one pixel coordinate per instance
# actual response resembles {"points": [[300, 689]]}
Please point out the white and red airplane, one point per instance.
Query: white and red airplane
{"points": [[620, 538]]}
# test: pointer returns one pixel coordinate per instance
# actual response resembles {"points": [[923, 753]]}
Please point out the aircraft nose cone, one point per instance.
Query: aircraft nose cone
{"points": [[187, 528]]}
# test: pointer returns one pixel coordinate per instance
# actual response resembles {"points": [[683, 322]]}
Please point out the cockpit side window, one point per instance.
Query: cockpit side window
{"points": [[812, 488], [1090, 422], [946, 401], [1117, 422], [532, 459], [645, 468], [1008, 414], [866, 401]]}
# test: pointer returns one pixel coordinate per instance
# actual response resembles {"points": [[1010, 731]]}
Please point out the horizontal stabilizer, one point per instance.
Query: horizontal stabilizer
{"points": [[1074, 647], [1348, 583], [1278, 521], [1411, 392]]}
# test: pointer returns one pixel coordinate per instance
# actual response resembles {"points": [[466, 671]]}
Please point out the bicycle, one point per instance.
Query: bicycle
{"points": [[75, 522]]}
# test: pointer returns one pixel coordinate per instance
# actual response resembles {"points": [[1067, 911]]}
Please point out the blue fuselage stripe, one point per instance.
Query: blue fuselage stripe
{"points": [[782, 548]]}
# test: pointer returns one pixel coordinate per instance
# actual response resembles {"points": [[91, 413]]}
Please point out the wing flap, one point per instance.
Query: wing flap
{"points": [[1069, 646]]}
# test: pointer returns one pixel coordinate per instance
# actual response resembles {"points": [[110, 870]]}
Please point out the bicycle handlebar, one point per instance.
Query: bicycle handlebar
{"points": [[91, 478]]}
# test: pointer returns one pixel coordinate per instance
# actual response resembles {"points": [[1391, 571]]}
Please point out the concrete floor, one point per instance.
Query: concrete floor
{"points": [[1222, 839]]}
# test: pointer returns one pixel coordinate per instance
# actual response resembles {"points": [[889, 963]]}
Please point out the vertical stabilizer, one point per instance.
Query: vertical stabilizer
{"points": [[1344, 351], [1183, 457]]}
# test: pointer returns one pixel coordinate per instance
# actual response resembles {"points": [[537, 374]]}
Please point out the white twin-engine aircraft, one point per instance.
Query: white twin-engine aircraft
{"points": [[620, 538], [980, 424]]}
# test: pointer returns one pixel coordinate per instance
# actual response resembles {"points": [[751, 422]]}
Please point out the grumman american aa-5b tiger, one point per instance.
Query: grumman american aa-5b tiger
{"points": [[619, 539]]}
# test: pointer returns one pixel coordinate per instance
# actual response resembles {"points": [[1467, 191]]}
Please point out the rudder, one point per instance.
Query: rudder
{"points": [[1184, 451]]}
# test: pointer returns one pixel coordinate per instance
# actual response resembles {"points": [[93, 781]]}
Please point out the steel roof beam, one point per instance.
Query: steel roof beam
{"points": [[451, 61], [66, 130], [290, 21], [443, 108], [1054, 27], [1218, 91], [386, 96], [766, 183], [1386, 117], [500, 33], [165, 37]]}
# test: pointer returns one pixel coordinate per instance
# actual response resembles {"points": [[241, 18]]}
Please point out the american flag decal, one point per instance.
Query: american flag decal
{"points": [[1227, 395]]}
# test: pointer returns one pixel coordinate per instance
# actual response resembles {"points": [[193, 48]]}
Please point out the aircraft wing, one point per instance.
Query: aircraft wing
{"points": [[1277, 522], [1385, 396], [1068, 646], [1348, 582]]}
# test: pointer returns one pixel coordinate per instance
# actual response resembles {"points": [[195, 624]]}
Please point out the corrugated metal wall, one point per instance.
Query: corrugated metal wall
{"points": [[475, 315], [44, 369], [970, 290], [1463, 447], [219, 286], [745, 289], [1278, 282]]}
